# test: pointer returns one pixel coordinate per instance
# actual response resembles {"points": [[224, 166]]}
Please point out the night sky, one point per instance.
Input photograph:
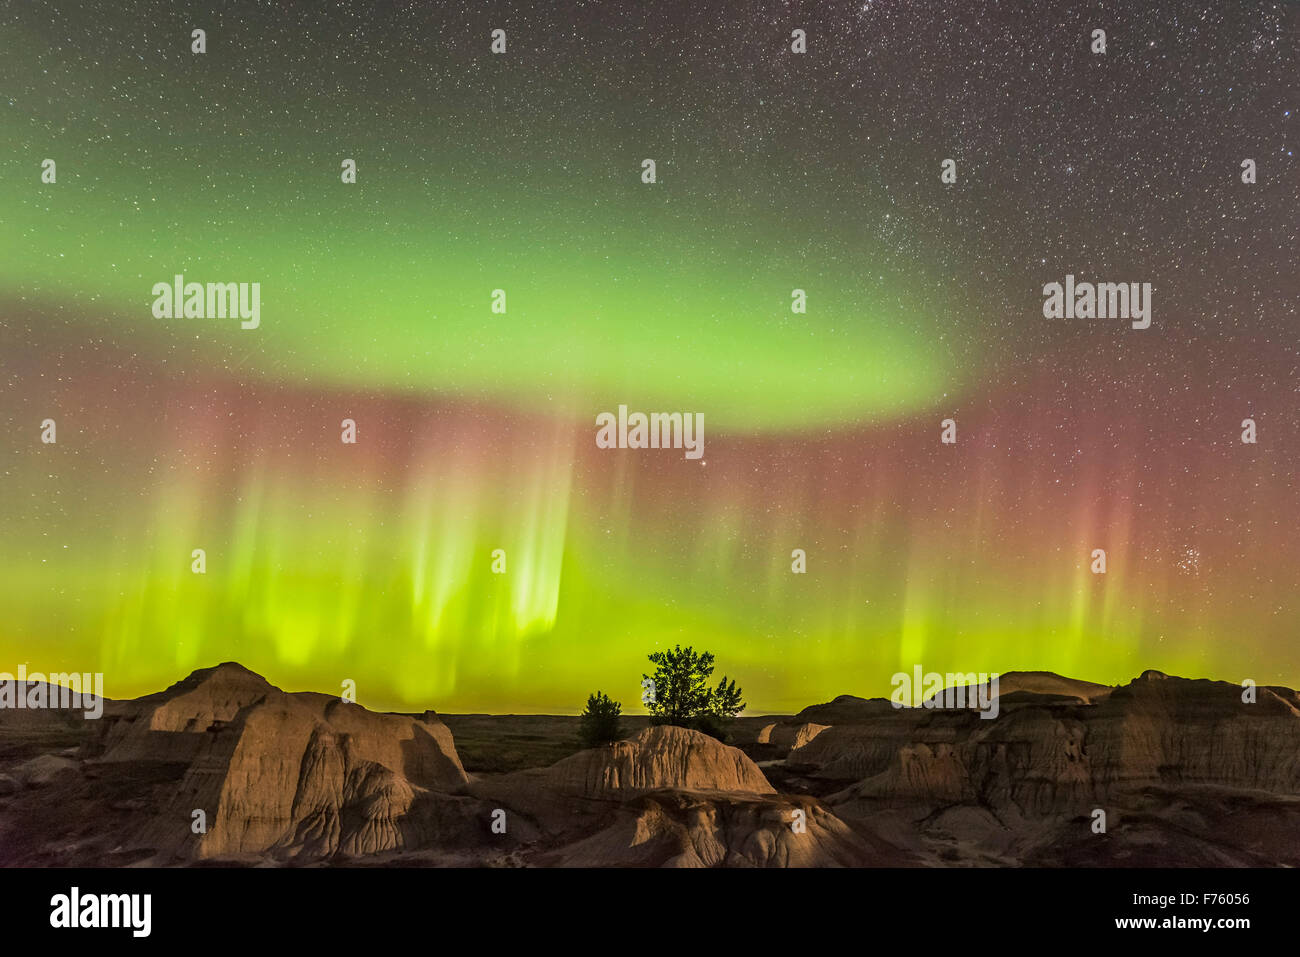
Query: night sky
{"points": [[475, 430]]}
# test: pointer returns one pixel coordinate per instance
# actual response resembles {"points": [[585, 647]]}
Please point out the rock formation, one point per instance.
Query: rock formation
{"points": [[1185, 772], [676, 798], [1028, 782], [282, 774]]}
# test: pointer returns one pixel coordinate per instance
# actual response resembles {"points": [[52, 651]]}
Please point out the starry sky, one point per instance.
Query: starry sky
{"points": [[521, 171]]}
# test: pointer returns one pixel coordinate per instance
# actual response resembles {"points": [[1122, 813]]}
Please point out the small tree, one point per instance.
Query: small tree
{"points": [[599, 724], [682, 695], [726, 701]]}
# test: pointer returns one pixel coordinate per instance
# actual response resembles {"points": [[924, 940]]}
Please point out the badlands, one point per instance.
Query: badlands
{"points": [[225, 768]]}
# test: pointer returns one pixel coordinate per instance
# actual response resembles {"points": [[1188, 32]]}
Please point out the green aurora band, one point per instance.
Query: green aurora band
{"points": [[373, 562]]}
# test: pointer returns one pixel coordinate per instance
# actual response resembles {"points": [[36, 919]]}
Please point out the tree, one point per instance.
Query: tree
{"points": [[726, 702], [682, 695], [599, 724]]}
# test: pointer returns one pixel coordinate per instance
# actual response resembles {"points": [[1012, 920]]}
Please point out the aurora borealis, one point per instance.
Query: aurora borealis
{"points": [[521, 171]]}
